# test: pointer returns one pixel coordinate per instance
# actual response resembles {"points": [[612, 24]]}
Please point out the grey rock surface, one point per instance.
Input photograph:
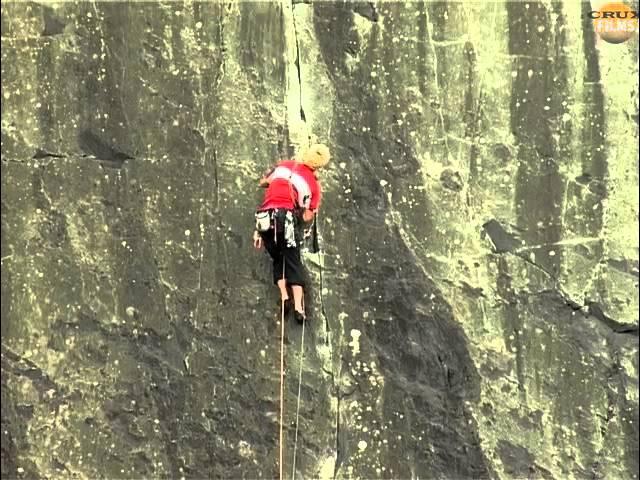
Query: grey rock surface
{"points": [[474, 308]]}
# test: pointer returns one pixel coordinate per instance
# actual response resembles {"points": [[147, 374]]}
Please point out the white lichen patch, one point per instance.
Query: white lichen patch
{"points": [[244, 449], [326, 467], [355, 341]]}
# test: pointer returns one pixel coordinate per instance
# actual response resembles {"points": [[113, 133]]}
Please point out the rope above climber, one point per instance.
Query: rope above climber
{"points": [[291, 201]]}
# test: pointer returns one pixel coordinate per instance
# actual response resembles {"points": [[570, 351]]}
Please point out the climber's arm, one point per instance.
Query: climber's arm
{"points": [[308, 215], [314, 204], [264, 181]]}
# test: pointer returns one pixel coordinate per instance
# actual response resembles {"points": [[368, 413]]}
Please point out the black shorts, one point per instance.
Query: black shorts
{"points": [[286, 260]]}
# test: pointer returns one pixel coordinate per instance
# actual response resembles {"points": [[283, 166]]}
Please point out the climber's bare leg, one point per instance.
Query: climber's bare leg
{"points": [[298, 293], [282, 285]]}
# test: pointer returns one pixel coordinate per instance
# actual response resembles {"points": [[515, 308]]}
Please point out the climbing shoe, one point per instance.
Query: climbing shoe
{"points": [[299, 316]]}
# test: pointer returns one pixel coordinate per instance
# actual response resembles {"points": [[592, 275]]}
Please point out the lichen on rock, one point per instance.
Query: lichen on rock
{"points": [[473, 310]]}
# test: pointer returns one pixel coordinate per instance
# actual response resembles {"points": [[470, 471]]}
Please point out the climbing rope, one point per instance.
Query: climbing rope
{"points": [[281, 373], [316, 248], [295, 441]]}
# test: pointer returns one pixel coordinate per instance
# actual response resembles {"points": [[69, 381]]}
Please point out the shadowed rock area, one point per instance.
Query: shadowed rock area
{"points": [[474, 308]]}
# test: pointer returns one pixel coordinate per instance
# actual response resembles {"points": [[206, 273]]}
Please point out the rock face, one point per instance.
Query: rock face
{"points": [[474, 310]]}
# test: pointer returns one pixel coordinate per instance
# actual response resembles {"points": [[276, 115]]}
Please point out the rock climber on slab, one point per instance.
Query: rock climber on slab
{"points": [[291, 199]]}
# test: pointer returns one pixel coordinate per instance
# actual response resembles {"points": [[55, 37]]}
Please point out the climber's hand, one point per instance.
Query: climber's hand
{"points": [[257, 240], [308, 215]]}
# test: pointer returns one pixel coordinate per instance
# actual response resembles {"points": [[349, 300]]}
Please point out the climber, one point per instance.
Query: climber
{"points": [[291, 200]]}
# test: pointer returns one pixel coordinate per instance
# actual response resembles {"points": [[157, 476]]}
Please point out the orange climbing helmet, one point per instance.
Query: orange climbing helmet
{"points": [[316, 156]]}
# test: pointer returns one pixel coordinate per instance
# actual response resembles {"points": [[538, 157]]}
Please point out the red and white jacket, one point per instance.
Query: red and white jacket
{"points": [[291, 184]]}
